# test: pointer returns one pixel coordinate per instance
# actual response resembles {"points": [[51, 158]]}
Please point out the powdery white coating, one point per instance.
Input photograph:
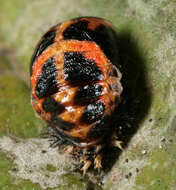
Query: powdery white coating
{"points": [[146, 11], [165, 49], [32, 164], [121, 178], [145, 141]]}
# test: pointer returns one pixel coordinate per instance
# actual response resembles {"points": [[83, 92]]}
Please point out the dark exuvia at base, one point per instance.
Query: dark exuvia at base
{"points": [[65, 125], [61, 138], [97, 130]]}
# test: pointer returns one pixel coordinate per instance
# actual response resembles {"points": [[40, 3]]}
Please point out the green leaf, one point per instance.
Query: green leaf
{"points": [[147, 40]]}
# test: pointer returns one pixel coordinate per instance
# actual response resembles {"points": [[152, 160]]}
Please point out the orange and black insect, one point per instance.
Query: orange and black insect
{"points": [[75, 86]]}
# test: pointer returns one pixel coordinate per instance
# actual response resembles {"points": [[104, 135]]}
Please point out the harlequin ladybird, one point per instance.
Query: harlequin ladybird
{"points": [[75, 86]]}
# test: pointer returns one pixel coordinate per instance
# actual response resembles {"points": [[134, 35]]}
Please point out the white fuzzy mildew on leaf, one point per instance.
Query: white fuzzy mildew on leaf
{"points": [[125, 179], [124, 174], [166, 55], [143, 10], [147, 10], [31, 161]]}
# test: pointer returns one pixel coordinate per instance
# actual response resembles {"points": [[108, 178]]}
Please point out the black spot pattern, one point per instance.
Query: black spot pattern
{"points": [[88, 92], [77, 68], [106, 38], [47, 82], [77, 31], [65, 125], [99, 128], [93, 112], [103, 35], [46, 41], [62, 138], [50, 105]]}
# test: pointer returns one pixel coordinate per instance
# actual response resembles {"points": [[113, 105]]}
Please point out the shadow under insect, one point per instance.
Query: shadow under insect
{"points": [[136, 97]]}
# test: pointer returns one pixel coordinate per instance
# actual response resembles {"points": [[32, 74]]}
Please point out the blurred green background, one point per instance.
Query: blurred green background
{"points": [[147, 36]]}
